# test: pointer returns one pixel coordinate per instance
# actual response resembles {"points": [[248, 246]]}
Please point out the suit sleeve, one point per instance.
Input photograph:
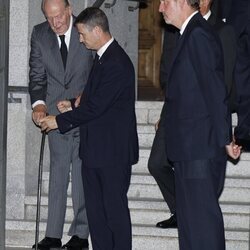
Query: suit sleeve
{"points": [[206, 54], [37, 73], [169, 44], [113, 83], [228, 40], [242, 76]]}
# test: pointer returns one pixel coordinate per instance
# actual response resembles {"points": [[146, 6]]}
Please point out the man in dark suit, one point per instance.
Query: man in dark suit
{"points": [[59, 69], [240, 18], [158, 165], [109, 142], [197, 126], [228, 41]]}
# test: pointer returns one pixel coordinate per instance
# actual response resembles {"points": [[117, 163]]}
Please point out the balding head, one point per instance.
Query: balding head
{"points": [[58, 13], [65, 2]]}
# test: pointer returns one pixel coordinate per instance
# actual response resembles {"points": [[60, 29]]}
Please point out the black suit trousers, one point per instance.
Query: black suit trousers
{"points": [[107, 207], [198, 187], [161, 169]]}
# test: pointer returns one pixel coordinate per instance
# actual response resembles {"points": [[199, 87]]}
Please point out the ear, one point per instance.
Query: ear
{"points": [[97, 30]]}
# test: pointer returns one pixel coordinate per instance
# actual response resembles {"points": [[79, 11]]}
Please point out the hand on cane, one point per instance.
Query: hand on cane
{"points": [[48, 123]]}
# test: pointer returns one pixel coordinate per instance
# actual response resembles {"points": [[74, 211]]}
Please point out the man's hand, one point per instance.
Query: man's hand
{"points": [[233, 150], [64, 106], [39, 112], [48, 123], [157, 125]]}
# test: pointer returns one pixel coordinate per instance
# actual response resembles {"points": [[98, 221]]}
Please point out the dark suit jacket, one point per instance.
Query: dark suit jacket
{"points": [[171, 35], [106, 115], [48, 79], [242, 76], [228, 40], [197, 116], [237, 15], [222, 8]]}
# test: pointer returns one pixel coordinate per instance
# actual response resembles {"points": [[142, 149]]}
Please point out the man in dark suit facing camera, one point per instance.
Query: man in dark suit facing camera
{"points": [[197, 126], [109, 142]]}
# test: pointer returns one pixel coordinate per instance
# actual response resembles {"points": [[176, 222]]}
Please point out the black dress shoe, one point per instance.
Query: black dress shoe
{"points": [[48, 243], [169, 223], [76, 243]]}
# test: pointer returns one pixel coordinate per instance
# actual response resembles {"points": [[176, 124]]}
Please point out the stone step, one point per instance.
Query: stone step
{"points": [[22, 234], [149, 112], [145, 125], [146, 179], [230, 194], [146, 134], [241, 169], [148, 212], [236, 189]]}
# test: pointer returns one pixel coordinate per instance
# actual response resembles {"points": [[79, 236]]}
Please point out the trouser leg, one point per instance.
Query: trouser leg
{"points": [[79, 225], [107, 207], [198, 186], [161, 169], [60, 158]]}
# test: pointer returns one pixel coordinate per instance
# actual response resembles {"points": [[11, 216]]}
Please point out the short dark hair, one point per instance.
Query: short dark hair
{"points": [[92, 17], [194, 4], [66, 3]]}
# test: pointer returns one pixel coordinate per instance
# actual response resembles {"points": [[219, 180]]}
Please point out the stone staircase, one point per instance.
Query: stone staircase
{"points": [[146, 203]]}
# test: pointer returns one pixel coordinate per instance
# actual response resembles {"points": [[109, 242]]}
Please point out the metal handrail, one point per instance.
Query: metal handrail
{"points": [[98, 3]]}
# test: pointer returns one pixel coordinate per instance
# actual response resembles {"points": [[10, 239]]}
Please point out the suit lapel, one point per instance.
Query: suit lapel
{"points": [[73, 48], [180, 44], [93, 80], [176, 52], [212, 19]]}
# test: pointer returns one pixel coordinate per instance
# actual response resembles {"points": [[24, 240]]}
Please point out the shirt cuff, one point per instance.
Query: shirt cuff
{"points": [[37, 103]]}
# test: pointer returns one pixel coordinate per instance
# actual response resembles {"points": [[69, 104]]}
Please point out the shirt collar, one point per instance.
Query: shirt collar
{"points": [[68, 32], [207, 15], [104, 47], [184, 25]]}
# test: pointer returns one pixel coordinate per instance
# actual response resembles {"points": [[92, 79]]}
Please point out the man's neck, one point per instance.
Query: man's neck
{"points": [[186, 14]]}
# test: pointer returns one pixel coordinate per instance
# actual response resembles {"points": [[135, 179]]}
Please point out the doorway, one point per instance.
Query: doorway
{"points": [[149, 52]]}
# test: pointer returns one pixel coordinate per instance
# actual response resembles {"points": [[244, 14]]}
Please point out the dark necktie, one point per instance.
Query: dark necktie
{"points": [[96, 60], [64, 50]]}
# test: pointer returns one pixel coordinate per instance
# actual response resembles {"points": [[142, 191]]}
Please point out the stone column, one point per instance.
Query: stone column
{"points": [[18, 50]]}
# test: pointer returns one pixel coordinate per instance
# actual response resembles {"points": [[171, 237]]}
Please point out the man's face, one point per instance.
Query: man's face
{"points": [[58, 16], [87, 36], [170, 10]]}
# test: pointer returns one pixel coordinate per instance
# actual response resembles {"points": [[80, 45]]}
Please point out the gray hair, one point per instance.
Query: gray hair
{"points": [[194, 4], [66, 3]]}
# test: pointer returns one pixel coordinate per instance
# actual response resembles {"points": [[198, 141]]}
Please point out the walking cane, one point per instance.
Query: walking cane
{"points": [[39, 189]]}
